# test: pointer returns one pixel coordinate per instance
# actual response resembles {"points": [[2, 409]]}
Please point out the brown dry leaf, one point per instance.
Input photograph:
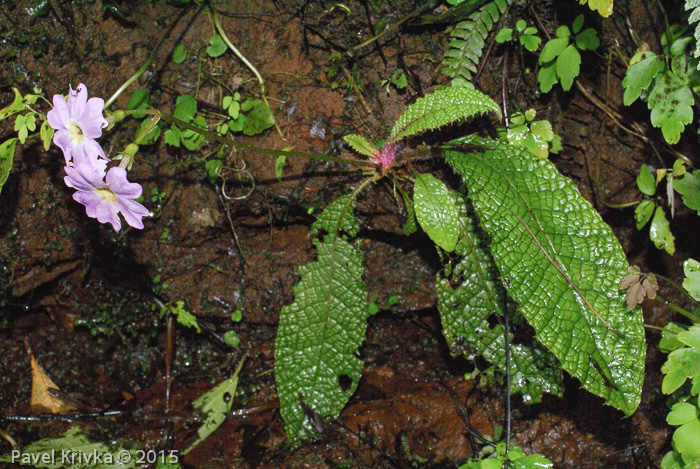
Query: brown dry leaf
{"points": [[42, 400], [638, 286], [651, 286]]}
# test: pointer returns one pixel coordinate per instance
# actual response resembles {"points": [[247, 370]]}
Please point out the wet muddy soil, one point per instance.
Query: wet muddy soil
{"points": [[82, 295]]}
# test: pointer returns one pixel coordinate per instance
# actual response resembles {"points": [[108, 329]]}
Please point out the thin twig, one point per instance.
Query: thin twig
{"points": [[506, 321]]}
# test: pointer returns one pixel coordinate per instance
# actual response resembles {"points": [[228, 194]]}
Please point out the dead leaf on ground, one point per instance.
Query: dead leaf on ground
{"points": [[42, 400]]}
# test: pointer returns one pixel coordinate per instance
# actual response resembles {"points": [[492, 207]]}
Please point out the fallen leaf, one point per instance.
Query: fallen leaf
{"points": [[638, 286], [42, 400]]}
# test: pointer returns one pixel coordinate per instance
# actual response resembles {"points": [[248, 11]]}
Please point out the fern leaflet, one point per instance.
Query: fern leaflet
{"points": [[468, 41]]}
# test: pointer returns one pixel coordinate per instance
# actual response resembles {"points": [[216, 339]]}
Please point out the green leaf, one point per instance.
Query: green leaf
{"points": [[185, 108], [689, 187], [182, 316], [604, 7], [216, 47], [640, 75], [660, 232], [469, 292], [172, 136], [398, 79], [552, 49], [643, 213], [317, 367], [7, 156], [530, 42], [231, 338], [588, 40], [215, 405], [234, 109], [139, 100], [361, 145], [504, 35], [150, 136], [685, 441], [564, 266], [670, 102], [547, 76], [179, 54], [646, 182], [440, 108], [684, 363], [258, 119], [191, 140], [46, 134], [17, 105], [577, 25], [563, 32], [568, 66], [691, 282], [682, 413], [338, 215], [436, 210], [47, 453], [669, 337]]}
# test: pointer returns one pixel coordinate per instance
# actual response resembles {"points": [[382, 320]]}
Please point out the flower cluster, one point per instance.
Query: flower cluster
{"points": [[104, 193]]}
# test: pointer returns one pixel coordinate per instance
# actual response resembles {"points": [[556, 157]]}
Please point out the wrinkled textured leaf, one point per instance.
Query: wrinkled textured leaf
{"points": [[469, 292], [330, 219], [436, 210], [317, 368], [689, 187], [441, 108], [691, 282], [361, 145], [74, 440], [564, 266], [7, 156]]}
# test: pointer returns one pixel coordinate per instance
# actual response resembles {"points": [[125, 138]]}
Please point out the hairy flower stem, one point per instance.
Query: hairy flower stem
{"points": [[250, 66], [244, 146]]}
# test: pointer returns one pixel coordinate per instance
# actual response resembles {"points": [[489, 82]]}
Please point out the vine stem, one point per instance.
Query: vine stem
{"points": [[269, 151], [506, 284], [247, 63]]}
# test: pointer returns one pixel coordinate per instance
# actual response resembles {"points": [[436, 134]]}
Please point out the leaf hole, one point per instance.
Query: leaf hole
{"points": [[345, 382]]}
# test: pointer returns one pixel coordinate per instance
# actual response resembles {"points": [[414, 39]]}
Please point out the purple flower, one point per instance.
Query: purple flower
{"points": [[78, 123], [104, 200]]}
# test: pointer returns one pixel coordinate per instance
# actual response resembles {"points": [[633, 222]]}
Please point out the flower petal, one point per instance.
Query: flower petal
{"points": [[92, 121], [62, 140], [59, 116], [90, 199], [133, 212], [77, 100], [117, 182], [108, 212]]}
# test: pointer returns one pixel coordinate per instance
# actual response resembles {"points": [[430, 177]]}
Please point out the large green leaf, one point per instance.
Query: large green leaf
{"points": [[317, 367], [436, 210], [564, 266], [440, 108], [7, 155], [469, 292]]}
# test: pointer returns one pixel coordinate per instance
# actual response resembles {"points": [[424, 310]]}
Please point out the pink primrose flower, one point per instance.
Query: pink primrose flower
{"points": [[78, 123], [104, 198]]}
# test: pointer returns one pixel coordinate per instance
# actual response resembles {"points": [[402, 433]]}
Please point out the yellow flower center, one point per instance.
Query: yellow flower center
{"points": [[106, 194], [75, 132]]}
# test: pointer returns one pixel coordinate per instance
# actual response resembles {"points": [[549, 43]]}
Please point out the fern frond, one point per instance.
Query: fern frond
{"points": [[694, 18], [469, 39]]}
